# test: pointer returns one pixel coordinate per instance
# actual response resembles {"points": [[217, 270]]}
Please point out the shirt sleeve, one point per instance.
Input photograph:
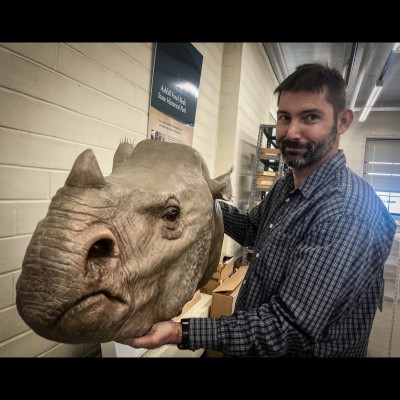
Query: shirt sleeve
{"points": [[241, 226], [327, 275]]}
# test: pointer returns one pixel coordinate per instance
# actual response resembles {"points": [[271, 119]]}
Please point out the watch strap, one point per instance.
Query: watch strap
{"points": [[185, 334]]}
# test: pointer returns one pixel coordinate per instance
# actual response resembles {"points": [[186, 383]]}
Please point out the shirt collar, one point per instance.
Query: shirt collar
{"points": [[321, 175]]}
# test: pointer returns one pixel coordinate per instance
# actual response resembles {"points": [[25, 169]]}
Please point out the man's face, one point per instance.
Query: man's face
{"points": [[306, 128]]}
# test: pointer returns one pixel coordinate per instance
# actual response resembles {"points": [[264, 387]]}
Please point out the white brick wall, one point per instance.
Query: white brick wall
{"points": [[6, 290], [228, 110], [18, 111], [8, 226], [256, 96], [74, 65], [29, 214], [114, 59], [11, 324], [43, 53], [57, 99], [12, 251], [246, 94], [228, 113], [206, 125]]}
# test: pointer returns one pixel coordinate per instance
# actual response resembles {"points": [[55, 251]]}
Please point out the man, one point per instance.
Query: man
{"points": [[321, 237]]}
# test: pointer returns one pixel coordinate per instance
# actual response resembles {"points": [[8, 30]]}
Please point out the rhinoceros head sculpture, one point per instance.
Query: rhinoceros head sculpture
{"points": [[115, 255]]}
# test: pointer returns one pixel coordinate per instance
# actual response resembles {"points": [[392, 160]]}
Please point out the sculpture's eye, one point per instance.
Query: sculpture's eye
{"points": [[172, 214], [102, 248], [172, 225]]}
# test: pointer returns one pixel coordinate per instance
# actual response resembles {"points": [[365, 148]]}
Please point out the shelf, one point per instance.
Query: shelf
{"points": [[269, 157]]}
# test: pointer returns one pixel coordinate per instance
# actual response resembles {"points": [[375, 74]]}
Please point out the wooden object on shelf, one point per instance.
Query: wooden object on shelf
{"points": [[269, 151]]}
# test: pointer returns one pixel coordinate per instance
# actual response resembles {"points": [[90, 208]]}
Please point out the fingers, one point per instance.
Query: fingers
{"points": [[148, 341], [129, 342], [161, 333]]}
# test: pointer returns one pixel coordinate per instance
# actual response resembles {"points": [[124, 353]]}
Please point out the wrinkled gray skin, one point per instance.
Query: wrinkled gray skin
{"points": [[115, 255]]}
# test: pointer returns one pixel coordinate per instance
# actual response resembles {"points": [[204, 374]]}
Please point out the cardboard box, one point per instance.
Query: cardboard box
{"points": [[224, 300], [224, 270], [225, 267], [213, 354], [196, 297], [209, 287], [225, 295]]}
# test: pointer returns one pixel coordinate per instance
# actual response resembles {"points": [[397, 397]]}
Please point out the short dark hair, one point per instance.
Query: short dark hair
{"points": [[314, 78]]}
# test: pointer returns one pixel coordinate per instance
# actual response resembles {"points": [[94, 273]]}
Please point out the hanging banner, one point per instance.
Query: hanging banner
{"points": [[175, 88]]}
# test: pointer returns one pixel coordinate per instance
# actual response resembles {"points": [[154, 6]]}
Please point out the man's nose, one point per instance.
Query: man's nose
{"points": [[294, 130]]}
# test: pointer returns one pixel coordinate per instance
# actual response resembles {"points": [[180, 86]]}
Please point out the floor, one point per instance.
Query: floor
{"points": [[385, 335], [385, 340]]}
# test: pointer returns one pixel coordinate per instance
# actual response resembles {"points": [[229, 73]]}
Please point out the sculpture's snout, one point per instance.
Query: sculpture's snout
{"points": [[102, 250]]}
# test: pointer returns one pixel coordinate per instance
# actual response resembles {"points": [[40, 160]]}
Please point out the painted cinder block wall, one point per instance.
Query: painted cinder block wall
{"points": [[56, 100], [247, 89]]}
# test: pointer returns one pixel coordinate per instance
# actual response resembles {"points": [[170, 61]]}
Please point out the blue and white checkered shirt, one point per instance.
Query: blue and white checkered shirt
{"points": [[315, 281]]}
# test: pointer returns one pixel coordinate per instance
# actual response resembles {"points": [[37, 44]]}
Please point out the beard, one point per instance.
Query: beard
{"points": [[315, 151]]}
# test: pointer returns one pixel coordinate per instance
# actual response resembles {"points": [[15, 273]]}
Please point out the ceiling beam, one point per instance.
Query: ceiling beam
{"points": [[361, 72]]}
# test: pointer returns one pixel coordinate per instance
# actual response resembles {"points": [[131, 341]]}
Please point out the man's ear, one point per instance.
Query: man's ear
{"points": [[345, 119]]}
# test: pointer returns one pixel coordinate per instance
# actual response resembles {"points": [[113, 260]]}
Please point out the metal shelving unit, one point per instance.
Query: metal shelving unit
{"points": [[268, 168], [268, 164]]}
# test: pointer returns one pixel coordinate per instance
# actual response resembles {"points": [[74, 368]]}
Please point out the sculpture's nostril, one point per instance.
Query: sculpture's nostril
{"points": [[101, 248]]}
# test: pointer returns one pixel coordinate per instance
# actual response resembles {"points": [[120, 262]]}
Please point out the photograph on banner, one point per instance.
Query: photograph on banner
{"points": [[175, 89]]}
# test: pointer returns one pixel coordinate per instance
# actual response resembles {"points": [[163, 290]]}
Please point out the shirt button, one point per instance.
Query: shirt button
{"points": [[244, 282], [287, 200], [258, 255], [270, 226]]}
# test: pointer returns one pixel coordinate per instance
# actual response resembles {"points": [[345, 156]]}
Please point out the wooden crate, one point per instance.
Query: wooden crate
{"points": [[270, 152]]}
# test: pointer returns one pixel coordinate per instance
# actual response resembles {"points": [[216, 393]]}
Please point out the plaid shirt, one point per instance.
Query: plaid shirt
{"points": [[315, 281]]}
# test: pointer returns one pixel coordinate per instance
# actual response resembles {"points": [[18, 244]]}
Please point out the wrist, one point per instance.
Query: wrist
{"points": [[184, 331]]}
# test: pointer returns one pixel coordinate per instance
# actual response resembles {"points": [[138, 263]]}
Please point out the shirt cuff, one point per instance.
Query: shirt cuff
{"points": [[203, 333]]}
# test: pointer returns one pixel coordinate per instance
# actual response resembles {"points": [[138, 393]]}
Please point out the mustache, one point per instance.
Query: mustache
{"points": [[294, 144]]}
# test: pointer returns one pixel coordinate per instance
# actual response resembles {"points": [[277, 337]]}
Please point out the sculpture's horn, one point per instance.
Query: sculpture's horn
{"points": [[86, 171], [122, 154]]}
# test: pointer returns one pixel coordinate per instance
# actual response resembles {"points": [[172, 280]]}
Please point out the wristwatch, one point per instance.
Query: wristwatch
{"points": [[185, 334]]}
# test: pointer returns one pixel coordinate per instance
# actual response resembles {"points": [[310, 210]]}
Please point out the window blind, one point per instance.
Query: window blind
{"points": [[382, 164]]}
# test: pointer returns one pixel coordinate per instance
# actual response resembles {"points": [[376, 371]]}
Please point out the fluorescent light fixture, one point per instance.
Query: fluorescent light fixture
{"points": [[371, 100], [383, 163], [381, 174]]}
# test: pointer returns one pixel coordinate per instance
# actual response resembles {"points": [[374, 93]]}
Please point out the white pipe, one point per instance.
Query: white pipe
{"points": [[361, 72], [378, 109], [281, 62]]}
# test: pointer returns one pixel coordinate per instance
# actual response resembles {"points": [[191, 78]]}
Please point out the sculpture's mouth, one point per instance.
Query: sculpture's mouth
{"points": [[92, 304]]}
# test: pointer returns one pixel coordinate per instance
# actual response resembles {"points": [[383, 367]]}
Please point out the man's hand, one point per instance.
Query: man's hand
{"points": [[166, 332]]}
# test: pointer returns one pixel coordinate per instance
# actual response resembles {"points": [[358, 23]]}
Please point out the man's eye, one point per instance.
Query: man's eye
{"points": [[312, 117], [171, 215], [283, 117]]}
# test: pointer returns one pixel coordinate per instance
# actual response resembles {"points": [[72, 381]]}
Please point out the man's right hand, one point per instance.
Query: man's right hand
{"points": [[166, 332]]}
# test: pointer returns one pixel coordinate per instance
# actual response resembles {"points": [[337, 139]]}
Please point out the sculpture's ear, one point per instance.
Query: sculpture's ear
{"points": [[123, 152], [221, 187]]}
